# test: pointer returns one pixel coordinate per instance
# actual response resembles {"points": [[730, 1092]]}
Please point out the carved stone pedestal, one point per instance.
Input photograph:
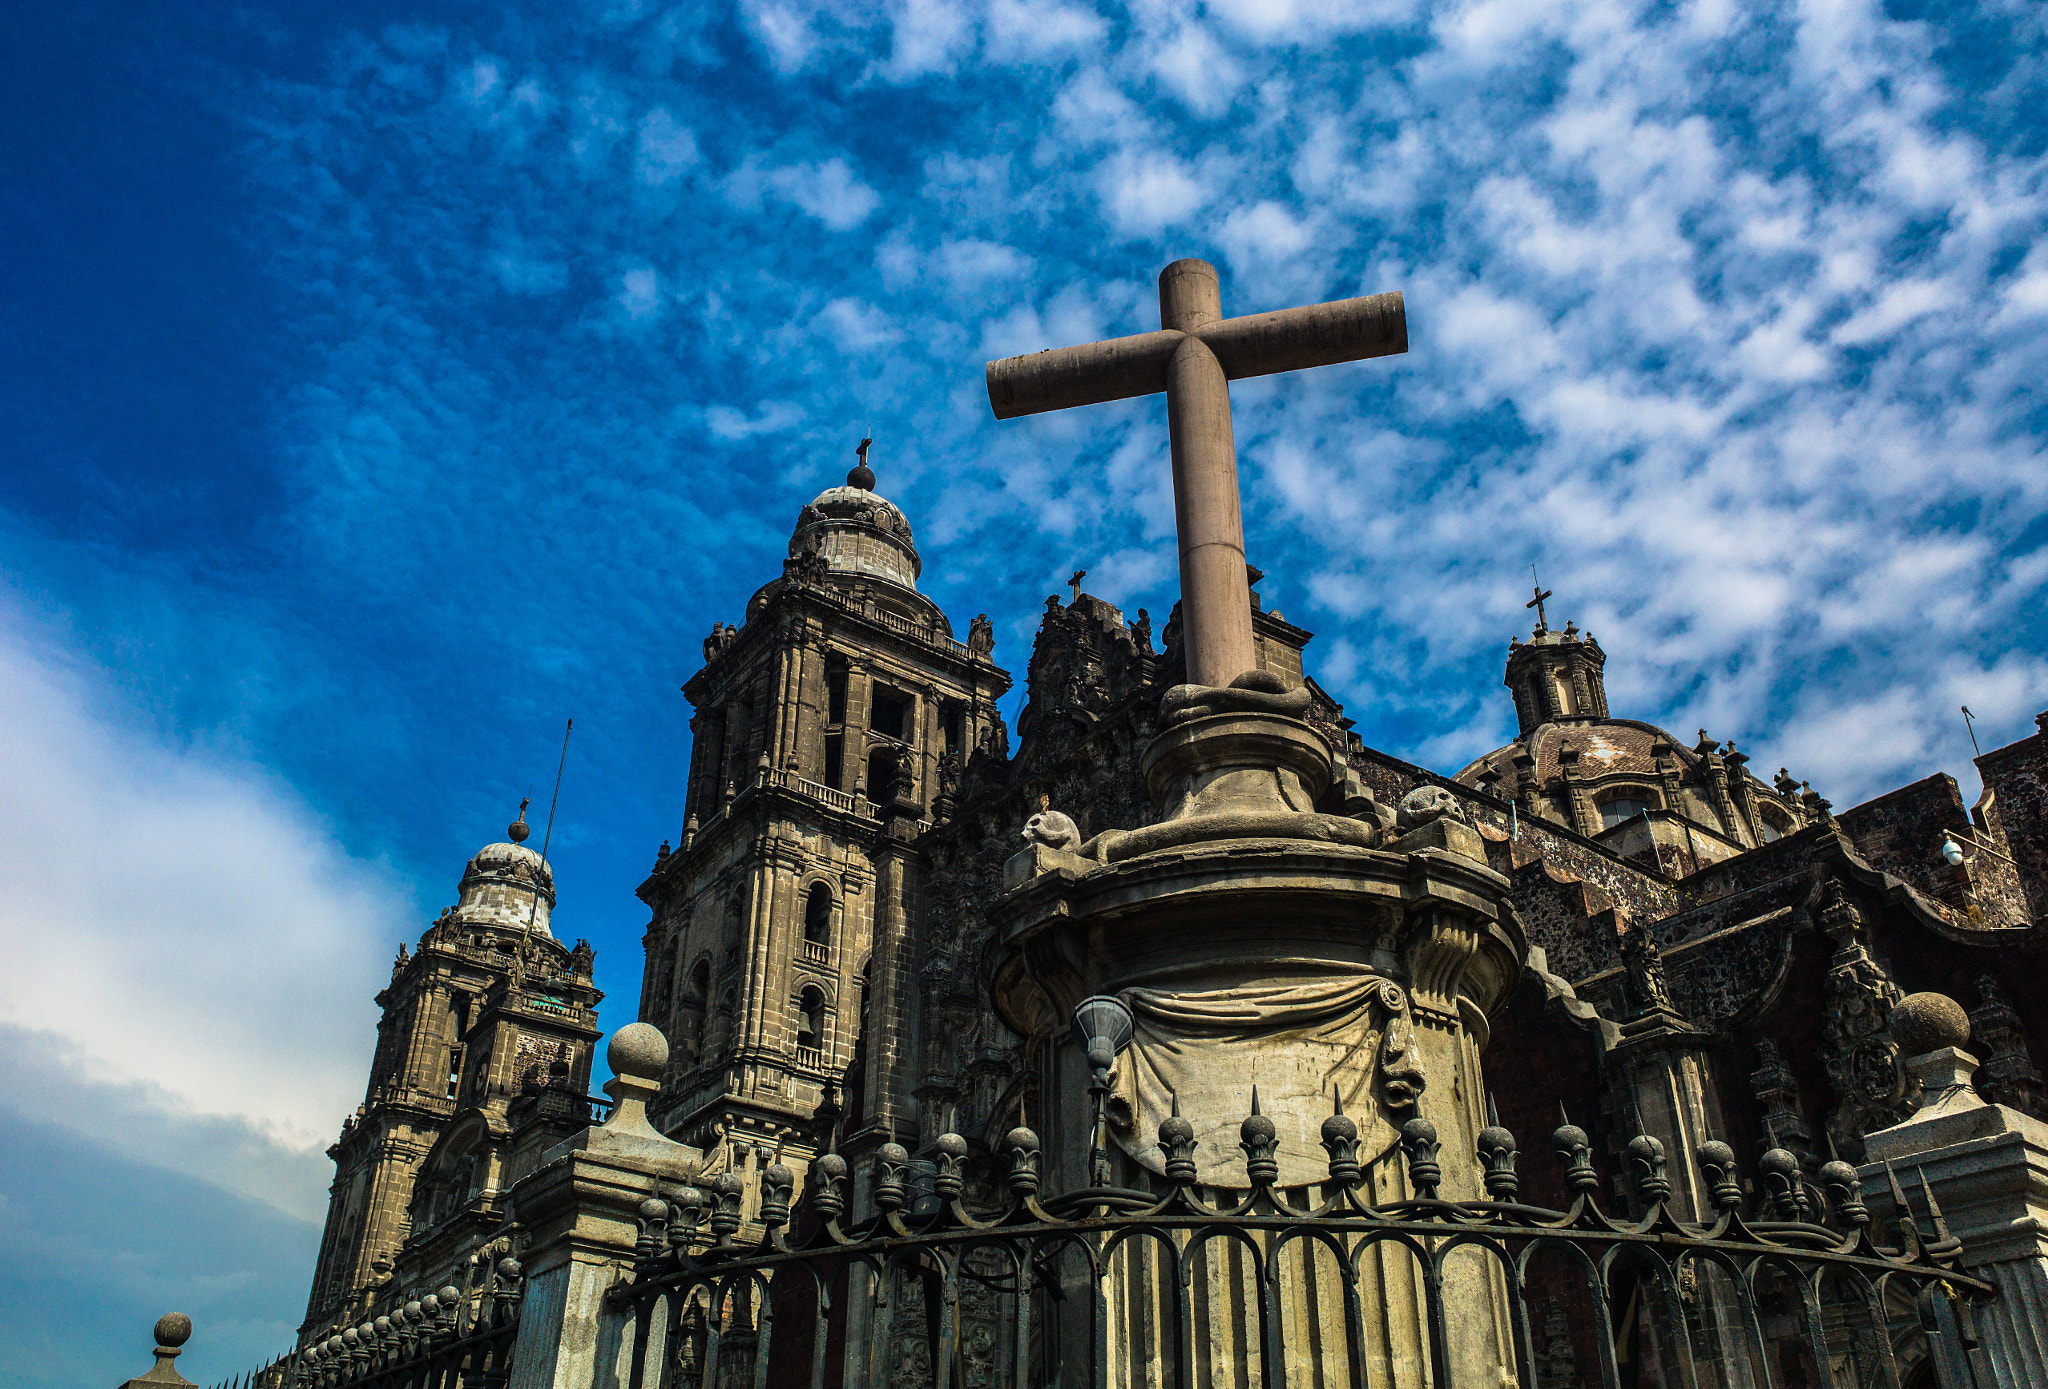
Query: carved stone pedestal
{"points": [[1259, 943]]}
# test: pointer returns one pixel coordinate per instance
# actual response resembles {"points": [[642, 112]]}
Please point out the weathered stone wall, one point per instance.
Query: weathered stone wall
{"points": [[2016, 780]]}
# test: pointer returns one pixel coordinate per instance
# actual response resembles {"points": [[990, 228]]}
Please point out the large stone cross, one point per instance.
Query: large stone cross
{"points": [[1193, 357]]}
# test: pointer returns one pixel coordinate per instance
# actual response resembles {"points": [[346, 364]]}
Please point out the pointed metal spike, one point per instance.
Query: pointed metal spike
{"points": [[1898, 1192], [1337, 1098], [1255, 1099], [1563, 1119], [1833, 1156], [1492, 1110], [1933, 1206], [1174, 1095]]}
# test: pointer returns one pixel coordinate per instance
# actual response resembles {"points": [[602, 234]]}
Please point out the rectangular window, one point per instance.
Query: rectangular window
{"points": [[1619, 810], [835, 758], [953, 726], [889, 716], [454, 1071], [835, 694]]}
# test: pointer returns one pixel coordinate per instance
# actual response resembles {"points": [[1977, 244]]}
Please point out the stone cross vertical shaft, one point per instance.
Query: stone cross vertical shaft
{"points": [[1193, 357]]}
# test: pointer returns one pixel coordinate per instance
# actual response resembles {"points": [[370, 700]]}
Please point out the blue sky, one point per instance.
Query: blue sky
{"points": [[381, 385]]}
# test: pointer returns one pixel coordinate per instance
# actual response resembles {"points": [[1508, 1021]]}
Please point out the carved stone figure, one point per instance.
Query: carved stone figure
{"points": [[1141, 633], [1644, 967], [723, 634], [1054, 830], [981, 635]]}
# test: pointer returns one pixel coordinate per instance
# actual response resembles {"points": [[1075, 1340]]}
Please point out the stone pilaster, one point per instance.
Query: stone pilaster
{"points": [[581, 1206], [1987, 1166]]}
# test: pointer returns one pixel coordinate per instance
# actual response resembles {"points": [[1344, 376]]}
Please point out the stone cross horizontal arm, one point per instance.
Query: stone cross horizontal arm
{"points": [[1193, 358], [1260, 344]]}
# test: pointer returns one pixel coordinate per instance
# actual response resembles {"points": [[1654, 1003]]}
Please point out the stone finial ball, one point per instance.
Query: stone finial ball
{"points": [[173, 1329], [1929, 1022], [639, 1050]]}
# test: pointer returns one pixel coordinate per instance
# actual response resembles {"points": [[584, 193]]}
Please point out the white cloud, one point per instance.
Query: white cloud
{"points": [[1037, 29], [190, 952], [665, 149], [1899, 305], [853, 325], [1196, 68], [926, 36], [1145, 193], [773, 417], [640, 292], [829, 191]]}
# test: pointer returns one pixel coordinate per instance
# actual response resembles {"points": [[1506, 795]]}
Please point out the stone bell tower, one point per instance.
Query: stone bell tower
{"points": [[826, 726], [482, 1061]]}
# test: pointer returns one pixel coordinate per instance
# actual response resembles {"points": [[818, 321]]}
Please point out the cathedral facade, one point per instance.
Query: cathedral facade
{"points": [[1712, 953]]}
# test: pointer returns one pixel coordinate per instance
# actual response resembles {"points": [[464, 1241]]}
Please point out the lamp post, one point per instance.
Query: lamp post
{"points": [[1102, 1028]]}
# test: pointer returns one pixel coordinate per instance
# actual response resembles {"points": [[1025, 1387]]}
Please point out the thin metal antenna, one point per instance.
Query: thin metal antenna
{"points": [[1969, 722], [555, 799], [525, 952]]}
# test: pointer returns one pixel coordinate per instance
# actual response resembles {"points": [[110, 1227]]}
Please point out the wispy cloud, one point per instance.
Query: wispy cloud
{"points": [[194, 955]]}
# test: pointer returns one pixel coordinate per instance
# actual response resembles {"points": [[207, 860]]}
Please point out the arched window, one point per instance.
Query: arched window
{"points": [[1617, 809], [818, 915], [1567, 698], [810, 1011], [1769, 827]]}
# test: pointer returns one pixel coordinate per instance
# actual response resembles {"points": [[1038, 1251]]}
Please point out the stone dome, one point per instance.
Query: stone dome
{"points": [[856, 531], [505, 885]]}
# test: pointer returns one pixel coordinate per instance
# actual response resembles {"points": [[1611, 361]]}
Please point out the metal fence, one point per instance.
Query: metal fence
{"points": [[445, 1340], [1113, 1285]]}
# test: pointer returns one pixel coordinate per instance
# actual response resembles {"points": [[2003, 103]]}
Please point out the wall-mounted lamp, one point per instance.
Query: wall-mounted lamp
{"points": [[1953, 852]]}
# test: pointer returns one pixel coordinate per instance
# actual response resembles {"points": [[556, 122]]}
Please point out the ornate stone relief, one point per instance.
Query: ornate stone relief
{"points": [[2007, 1075], [1862, 1059], [1777, 1093]]}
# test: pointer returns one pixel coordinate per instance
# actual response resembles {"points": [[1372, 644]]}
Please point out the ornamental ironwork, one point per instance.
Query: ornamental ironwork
{"points": [[1119, 1285]]}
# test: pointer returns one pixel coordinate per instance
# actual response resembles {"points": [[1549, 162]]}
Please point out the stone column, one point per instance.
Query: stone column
{"points": [[1987, 1165], [582, 1207], [892, 1047], [1215, 591]]}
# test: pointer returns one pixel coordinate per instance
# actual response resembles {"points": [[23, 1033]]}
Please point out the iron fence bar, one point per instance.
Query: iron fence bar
{"points": [[1020, 1347], [1816, 1328], [822, 1324], [1272, 1361], [1183, 1316], [1439, 1328], [764, 1329], [1947, 1345], [1098, 1270], [948, 1349], [714, 1339], [1354, 1316]]}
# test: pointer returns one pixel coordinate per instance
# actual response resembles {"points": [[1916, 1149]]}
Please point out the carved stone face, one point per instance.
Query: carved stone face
{"points": [[1425, 803], [1054, 830]]}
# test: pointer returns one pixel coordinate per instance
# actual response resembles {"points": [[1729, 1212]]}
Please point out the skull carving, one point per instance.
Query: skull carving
{"points": [[1053, 829], [1424, 804]]}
